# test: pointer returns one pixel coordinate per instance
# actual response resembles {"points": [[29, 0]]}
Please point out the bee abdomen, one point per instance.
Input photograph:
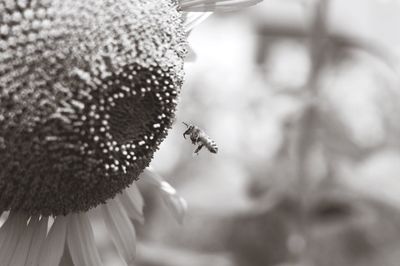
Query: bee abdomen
{"points": [[211, 145]]}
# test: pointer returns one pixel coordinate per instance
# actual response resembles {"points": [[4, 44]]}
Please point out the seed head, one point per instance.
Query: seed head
{"points": [[87, 92]]}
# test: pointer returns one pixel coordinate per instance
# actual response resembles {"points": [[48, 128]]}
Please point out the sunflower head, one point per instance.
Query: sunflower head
{"points": [[87, 92]]}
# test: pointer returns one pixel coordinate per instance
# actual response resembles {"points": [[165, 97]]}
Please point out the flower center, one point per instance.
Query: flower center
{"points": [[88, 91]]}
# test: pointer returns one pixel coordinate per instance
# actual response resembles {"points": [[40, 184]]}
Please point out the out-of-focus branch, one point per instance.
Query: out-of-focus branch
{"points": [[294, 28], [308, 121], [304, 141], [317, 42]]}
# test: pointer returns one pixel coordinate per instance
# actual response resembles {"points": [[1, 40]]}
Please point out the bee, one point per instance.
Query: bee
{"points": [[198, 136]]}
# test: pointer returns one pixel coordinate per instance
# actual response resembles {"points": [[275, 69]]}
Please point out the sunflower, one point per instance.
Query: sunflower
{"points": [[88, 90]]}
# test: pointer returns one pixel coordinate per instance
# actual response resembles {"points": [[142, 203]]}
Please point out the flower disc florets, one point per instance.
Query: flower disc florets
{"points": [[87, 92]]}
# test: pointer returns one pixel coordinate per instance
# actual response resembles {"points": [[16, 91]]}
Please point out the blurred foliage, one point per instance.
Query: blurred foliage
{"points": [[303, 100]]}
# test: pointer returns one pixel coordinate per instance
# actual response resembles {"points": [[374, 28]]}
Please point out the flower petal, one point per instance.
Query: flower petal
{"points": [[81, 241], [151, 178], [10, 233], [133, 202], [194, 18], [37, 241], [22, 249], [176, 204], [215, 5], [53, 246], [121, 229]]}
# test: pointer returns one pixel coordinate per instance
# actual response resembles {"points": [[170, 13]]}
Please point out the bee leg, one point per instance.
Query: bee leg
{"points": [[198, 149], [186, 133]]}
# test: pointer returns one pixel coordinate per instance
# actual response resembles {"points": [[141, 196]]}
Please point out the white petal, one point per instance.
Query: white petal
{"points": [[215, 5], [150, 177], [6, 227], [22, 249], [176, 204], [194, 18], [167, 188], [53, 246], [37, 242], [155, 180], [10, 233], [121, 229], [133, 202], [81, 241]]}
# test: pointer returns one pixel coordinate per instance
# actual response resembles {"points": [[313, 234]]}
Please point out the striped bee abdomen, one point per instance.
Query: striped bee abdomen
{"points": [[210, 144]]}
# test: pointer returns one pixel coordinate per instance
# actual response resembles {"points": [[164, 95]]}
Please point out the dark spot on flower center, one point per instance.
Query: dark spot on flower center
{"points": [[137, 112]]}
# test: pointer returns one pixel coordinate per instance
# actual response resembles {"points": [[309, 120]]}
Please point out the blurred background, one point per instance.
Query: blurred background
{"points": [[303, 100]]}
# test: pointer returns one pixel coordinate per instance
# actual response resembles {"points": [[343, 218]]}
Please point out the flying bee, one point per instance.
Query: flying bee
{"points": [[198, 136]]}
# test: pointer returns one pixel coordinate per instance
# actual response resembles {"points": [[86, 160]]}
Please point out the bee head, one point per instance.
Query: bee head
{"points": [[190, 128], [187, 125]]}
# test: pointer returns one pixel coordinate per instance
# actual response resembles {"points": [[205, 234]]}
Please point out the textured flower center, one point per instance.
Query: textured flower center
{"points": [[87, 92]]}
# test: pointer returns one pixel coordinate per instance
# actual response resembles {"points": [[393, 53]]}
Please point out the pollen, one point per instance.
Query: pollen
{"points": [[87, 94]]}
